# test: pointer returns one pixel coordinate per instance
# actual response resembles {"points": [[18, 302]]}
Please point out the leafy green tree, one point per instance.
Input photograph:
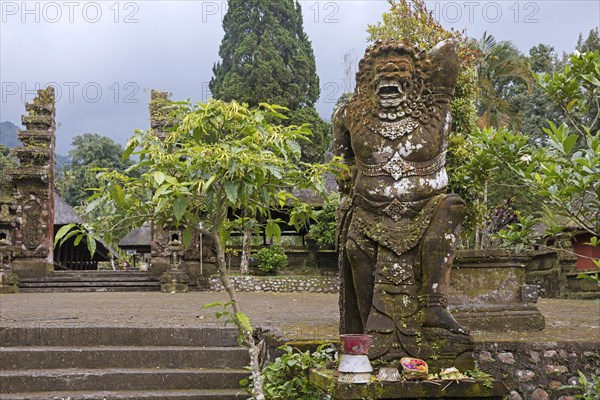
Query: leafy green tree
{"points": [[576, 91], [565, 175], [313, 150], [534, 105], [90, 152], [266, 57], [220, 158], [412, 21], [324, 229]]}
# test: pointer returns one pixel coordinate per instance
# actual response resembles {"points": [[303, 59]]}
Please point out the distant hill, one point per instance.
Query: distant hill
{"points": [[8, 135], [9, 138]]}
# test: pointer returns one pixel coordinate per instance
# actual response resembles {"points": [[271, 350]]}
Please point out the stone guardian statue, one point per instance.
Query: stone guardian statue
{"points": [[397, 228]]}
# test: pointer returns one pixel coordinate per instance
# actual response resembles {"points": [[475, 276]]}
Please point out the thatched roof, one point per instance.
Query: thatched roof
{"points": [[138, 237], [311, 197], [64, 213]]}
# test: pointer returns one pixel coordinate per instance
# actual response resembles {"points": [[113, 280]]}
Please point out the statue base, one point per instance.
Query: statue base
{"points": [[440, 349], [8, 289], [174, 281], [9, 282], [327, 381]]}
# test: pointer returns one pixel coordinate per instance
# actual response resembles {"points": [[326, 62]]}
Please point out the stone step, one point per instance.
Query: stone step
{"points": [[82, 289], [118, 379], [92, 281], [205, 335], [192, 394], [76, 279], [103, 273], [16, 358], [89, 284]]}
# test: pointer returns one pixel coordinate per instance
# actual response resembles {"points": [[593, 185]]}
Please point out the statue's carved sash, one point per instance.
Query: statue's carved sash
{"points": [[397, 235]]}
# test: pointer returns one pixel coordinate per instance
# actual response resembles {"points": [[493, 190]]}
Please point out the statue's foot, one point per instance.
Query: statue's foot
{"points": [[440, 317]]}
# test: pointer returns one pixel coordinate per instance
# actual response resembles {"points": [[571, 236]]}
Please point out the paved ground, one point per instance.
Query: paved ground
{"points": [[295, 315]]}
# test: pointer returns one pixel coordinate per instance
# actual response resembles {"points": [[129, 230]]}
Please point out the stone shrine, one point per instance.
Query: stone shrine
{"points": [[27, 212]]}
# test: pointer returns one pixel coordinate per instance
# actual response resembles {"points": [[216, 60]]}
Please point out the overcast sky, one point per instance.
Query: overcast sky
{"points": [[105, 56]]}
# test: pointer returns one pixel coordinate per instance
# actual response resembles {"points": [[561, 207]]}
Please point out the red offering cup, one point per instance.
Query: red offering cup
{"points": [[356, 344]]}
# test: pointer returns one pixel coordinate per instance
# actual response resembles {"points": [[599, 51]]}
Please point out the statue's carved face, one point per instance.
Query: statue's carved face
{"points": [[393, 78]]}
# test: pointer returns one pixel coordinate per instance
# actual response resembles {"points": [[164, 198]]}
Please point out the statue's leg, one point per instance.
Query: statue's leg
{"points": [[362, 256], [437, 253], [349, 317]]}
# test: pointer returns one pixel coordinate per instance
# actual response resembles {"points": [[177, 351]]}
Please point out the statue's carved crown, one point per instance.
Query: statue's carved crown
{"points": [[400, 85], [390, 49]]}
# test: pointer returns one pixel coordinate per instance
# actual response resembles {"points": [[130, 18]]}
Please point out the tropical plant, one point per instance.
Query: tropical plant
{"points": [[587, 389], [576, 90], [270, 259], [500, 64], [90, 153]]}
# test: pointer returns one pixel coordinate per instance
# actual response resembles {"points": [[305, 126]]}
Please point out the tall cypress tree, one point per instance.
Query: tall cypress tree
{"points": [[266, 56]]}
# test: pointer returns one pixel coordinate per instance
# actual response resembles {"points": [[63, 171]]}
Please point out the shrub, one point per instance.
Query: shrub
{"points": [[287, 376], [324, 229], [270, 259]]}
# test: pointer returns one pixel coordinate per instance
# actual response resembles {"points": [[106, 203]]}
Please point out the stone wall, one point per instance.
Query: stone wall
{"points": [[554, 274], [536, 371], [530, 370], [324, 260], [319, 284]]}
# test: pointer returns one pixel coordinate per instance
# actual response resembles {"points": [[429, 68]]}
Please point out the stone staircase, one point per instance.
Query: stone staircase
{"points": [[92, 281], [102, 363]]}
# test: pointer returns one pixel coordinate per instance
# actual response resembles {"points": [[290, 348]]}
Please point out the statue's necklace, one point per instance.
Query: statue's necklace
{"points": [[395, 129]]}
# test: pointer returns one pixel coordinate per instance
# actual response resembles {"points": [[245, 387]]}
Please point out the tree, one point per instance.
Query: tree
{"points": [[313, 150], [499, 66], [565, 175], [323, 232], [90, 152], [534, 105], [206, 171], [267, 58], [590, 44], [411, 21], [576, 91]]}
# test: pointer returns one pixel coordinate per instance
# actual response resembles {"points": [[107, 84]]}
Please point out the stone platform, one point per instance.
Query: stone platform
{"points": [[422, 390], [527, 362]]}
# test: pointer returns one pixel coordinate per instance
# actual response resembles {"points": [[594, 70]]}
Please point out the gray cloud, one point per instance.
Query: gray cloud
{"points": [[105, 58]]}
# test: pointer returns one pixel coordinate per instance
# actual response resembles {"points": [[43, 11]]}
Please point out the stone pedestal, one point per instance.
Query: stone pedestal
{"points": [[422, 390], [174, 281], [487, 292], [9, 282]]}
